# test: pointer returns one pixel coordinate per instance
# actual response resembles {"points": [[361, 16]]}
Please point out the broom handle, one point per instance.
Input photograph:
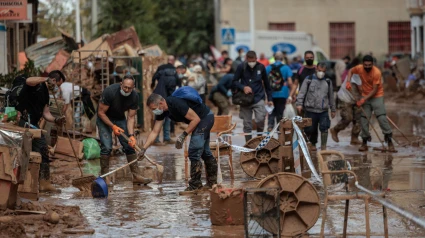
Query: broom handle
{"points": [[373, 128], [138, 150], [391, 121], [115, 170], [69, 138]]}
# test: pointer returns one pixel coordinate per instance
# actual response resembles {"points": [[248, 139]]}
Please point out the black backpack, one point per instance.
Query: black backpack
{"points": [[275, 78], [13, 97]]}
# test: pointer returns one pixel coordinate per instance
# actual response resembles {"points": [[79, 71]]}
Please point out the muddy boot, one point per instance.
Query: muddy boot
{"points": [[45, 184], [137, 177], [323, 140], [388, 139], [313, 147], [364, 146], [355, 140], [248, 137], [195, 183], [334, 134], [104, 168], [211, 171]]}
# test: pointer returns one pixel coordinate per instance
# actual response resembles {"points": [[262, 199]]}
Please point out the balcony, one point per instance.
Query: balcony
{"points": [[415, 7]]}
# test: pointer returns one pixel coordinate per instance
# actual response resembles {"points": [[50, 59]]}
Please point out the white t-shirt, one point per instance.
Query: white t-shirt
{"points": [[66, 89]]}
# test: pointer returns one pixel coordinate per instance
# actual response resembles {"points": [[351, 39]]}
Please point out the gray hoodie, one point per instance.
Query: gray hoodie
{"points": [[316, 93]]}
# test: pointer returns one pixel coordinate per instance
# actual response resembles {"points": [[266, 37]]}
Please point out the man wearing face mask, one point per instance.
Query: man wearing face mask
{"points": [[200, 120], [372, 100], [316, 98], [251, 78], [114, 102], [34, 105], [306, 70]]}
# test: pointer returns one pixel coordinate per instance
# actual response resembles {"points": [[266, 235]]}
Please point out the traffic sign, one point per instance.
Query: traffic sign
{"points": [[228, 36]]}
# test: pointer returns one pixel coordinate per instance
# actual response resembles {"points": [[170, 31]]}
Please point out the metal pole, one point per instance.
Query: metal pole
{"points": [[93, 17], [77, 22], [217, 25], [252, 23]]}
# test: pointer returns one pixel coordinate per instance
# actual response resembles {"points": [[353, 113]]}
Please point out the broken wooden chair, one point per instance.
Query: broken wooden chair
{"points": [[222, 125], [333, 167]]}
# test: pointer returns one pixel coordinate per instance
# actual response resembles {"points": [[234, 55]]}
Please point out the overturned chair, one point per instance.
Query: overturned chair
{"points": [[222, 125], [333, 167]]}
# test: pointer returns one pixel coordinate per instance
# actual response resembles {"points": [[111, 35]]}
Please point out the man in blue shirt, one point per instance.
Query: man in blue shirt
{"points": [[281, 96]]}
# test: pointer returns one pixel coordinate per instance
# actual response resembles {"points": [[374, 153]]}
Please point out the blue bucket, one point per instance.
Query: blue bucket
{"points": [[99, 188]]}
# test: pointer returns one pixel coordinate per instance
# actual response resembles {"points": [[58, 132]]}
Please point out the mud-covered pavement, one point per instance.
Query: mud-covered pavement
{"points": [[158, 211]]}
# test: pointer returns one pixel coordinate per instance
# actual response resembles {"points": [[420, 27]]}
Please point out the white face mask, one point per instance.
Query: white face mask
{"points": [[124, 93], [157, 112], [320, 74], [252, 64]]}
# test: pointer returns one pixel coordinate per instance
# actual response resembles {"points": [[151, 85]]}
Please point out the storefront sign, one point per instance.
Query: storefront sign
{"points": [[13, 10]]}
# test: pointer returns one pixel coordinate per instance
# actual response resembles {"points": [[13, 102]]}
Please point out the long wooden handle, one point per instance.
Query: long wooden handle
{"points": [[115, 170], [391, 121], [138, 150]]}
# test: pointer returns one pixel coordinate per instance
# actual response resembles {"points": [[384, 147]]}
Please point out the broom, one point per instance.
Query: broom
{"points": [[159, 168], [84, 182]]}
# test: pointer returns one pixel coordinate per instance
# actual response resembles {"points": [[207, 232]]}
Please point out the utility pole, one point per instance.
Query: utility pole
{"points": [[252, 23], [217, 24], [93, 18], [77, 22]]}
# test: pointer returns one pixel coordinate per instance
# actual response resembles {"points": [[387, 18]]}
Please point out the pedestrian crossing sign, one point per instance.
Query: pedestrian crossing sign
{"points": [[228, 36]]}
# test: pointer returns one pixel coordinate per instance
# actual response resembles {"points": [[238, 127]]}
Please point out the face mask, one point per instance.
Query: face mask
{"points": [[181, 76], [320, 74], [124, 93], [368, 69], [157, 112], [252, 64], [309, 62]]}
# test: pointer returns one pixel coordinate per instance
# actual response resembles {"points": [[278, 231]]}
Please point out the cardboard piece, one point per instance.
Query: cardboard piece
{"points": [[64, 147], [29, 189], [229, 209], [36, 133]]}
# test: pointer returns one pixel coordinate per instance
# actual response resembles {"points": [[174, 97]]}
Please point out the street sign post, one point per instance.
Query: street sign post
{"points": [[228, 36]]}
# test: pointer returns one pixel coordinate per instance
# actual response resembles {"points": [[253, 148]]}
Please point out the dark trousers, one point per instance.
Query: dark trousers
{"points": [[277, 114], [320, 121]]}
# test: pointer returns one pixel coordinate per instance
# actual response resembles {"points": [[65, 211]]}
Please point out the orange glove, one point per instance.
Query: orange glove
{"points": [[360, 102], [132, 142], [348, 86], [117, 130]]}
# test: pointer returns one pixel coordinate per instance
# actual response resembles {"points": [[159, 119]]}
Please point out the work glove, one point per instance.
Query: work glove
{"points": [[360, 102], [141, 153], [348, 86], [180, 140], [117, 130], [60, 120], [132, 142], [229, 93]]}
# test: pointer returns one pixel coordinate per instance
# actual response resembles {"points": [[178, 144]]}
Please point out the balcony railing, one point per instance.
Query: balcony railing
{"points": [[415, 6]]}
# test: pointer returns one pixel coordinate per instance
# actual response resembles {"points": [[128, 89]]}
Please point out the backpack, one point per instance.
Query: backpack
{"points": [[13, 97], [187, 93], [275, 77]]}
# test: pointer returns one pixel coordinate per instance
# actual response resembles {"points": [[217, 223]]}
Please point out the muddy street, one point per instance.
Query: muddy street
{"points": [[157, 210]]}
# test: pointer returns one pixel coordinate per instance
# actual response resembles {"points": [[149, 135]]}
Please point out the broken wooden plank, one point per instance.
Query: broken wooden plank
{"points": [[36, 133]]}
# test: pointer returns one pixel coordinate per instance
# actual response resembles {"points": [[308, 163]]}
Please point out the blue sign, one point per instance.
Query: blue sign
{"points": [[244, 47], [284, 47], [228, 36]]}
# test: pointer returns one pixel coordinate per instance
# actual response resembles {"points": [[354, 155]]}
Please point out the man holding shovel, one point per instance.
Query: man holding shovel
{"points": [[372, 100], [114, 102], [200, 120]]}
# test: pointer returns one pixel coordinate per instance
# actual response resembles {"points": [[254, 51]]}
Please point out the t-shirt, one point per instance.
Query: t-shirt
{"points": [[118, 104], [34, 100], [66, 89], [178, 108], [304, 74], [369, 79]]}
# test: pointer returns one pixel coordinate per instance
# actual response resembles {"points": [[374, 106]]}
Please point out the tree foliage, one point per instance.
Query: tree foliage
{"points": [[178, 26], [53, 15]]}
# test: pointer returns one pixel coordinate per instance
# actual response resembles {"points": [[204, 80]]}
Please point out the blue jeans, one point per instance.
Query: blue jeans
{"points": [[105, 134], [199, 146], [165, 129]]}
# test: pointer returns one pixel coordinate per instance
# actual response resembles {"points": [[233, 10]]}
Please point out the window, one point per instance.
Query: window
{"points": [[342, 39], [399, 37], [287, 26]]}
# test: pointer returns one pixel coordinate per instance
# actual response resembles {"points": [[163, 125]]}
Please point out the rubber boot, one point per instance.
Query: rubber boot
{"points": [[211, 171], [248, 137], [324, 140], [104, 168], [355, 140], [45, 184], [137, 177], [334, 134], [364, 146], [195, 183], [388, 139]]}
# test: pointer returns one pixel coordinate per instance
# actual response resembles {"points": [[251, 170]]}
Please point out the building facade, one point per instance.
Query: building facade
{"points": [[340, 27], [416, 10]]}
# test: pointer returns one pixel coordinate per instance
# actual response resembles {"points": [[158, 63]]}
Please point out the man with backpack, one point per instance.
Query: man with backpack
{"points": [[306, 70], [279, 75], [185, 105], [168, 80], [30, 96], [316, 98], [252, 84]]}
